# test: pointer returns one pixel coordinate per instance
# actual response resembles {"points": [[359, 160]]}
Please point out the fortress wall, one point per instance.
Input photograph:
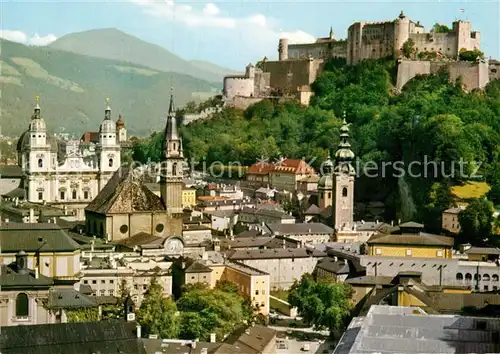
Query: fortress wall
{"points": [[446, 43], [473, 75], [494, 70], [290, 74], [234, 86], [262, 83], [318, 50], [409, 69], [241, 102]]}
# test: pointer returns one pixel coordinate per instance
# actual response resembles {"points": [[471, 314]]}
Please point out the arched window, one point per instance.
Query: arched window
{"points": [[174, 169], [468, 276], [495, 277], [73, 194], [460, 276], [22, 305], [174, 146], [40, 163], [486, 277], [477, 276], [110, 162], [344, 192]]}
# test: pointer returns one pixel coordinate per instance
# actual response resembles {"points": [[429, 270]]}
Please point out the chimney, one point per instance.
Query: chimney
{"points": [[139, 332], [212, 338]]}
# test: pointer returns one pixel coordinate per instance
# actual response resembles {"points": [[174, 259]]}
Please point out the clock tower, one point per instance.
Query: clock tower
{"points": [[171, 171], [343, 184]]}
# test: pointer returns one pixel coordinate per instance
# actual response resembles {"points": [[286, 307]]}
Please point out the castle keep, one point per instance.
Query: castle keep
{"points": [[298, 65]]}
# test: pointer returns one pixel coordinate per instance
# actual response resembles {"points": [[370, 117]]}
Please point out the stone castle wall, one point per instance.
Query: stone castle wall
{"points": [[238, 86], [474, 75], [289, 75]]}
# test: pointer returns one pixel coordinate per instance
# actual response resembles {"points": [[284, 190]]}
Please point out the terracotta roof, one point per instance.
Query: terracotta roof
{"points": [[412, 239], [260, 168], [125, 193], [293, 166], [90, 137]]}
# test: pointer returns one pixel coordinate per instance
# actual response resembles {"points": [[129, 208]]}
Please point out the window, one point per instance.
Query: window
{"points": [[103, 281], [136, 287], [62, 195], [486, 288], [86, 195], [322, 195], [111, 293], [160, 228], [110, 162], [85, 282], [94, 281], [174, 146], [256, 292], [123, 229], [111, 281], [408, 252], [73, 194], [440, 253], [144, 287], [460, 276], [486, 277], [495, 288], [103, 292], [495, 277], [22, 305], [174, 169], [477, 276], [344, 192], [40, 195], [378, 251], [329, 194], [40, 163], [468, 276]]}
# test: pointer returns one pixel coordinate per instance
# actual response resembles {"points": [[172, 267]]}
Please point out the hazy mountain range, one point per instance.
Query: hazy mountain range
{"points": [[75, 74]]}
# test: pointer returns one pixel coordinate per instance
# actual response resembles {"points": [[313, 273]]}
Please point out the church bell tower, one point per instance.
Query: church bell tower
{"points": [[343, 184], [171, 171]]}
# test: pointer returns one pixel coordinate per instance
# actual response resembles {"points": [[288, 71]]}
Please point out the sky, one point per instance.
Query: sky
{"points": [[233, 33]]}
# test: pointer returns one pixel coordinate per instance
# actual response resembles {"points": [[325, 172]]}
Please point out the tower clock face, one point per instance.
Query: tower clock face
{"points": [[174, 245]]}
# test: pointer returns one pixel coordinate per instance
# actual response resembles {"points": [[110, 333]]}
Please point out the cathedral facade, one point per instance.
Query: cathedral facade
{"points": [[66, 174]]}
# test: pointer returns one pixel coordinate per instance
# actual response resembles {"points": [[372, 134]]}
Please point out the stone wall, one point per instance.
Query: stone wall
{"points": [[289, 75], [474, 75], [242, 102]]}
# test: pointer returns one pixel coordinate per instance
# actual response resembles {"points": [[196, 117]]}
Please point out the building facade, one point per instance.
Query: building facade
{"points": [[68, 174]]}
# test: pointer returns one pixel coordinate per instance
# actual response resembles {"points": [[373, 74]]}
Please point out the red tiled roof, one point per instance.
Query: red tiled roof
{"points": [[298, 167], [90, 137]]}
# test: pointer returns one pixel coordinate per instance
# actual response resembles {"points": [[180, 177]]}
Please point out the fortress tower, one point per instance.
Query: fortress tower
{"points": [[283, 49], [401, 32]]}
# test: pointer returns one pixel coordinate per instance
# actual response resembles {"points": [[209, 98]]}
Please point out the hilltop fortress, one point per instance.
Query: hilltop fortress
{"points": [[299, 64]]}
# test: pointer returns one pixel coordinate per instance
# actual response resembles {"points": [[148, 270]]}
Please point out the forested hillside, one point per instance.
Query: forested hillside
{"points": [[432, 120]]}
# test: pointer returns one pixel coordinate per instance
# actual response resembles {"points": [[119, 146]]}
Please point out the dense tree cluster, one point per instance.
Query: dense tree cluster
{"points": [[198, 312], [433, 131], [321, 303]]}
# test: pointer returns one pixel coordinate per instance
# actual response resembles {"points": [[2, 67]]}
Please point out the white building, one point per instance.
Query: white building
{"points": [[67, 176]]}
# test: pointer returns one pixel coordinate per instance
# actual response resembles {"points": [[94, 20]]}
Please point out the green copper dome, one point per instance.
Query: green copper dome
{"points": [[344, 155]]}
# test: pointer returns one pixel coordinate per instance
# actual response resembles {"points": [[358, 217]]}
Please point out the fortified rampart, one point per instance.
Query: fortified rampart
{"points": [[473, 75]]}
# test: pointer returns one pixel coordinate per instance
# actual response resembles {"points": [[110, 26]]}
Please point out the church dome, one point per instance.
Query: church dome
{"points": [[24, 142], [38, 125], [120, 122], [326, 181], [107, 126]]}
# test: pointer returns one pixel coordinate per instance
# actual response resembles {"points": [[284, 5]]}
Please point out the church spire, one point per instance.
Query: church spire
{"points": [[331, 32], [171, 132], [344, 155]]}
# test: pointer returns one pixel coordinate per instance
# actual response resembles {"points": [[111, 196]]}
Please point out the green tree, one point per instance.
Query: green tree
{"points": [[438, 28], [158, 314], [83, 315], [476, 222], [218, 312], [470, 55], [322, 304], [409, 48]]}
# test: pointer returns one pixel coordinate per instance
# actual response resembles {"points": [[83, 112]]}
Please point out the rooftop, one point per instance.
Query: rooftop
{"points": [[391, 329], [274, 253], [412, 239], [302, 228]]}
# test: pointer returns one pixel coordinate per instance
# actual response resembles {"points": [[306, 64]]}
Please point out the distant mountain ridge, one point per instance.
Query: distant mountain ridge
{"points": [[73, 89], [111, 43]]}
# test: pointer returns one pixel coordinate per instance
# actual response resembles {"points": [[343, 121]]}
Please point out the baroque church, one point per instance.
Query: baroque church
{"points": [[67, 174], [127, 209]]}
